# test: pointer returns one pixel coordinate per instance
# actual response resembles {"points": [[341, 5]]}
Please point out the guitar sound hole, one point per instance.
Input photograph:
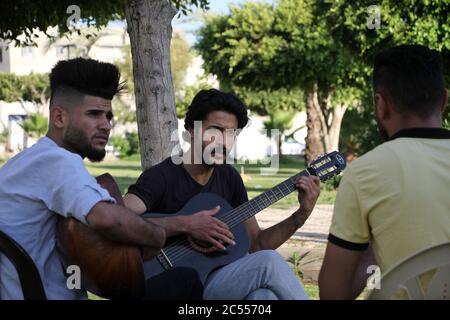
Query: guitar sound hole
{"points": [[203, 244]]}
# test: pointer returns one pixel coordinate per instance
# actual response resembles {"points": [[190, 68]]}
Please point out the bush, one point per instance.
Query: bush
{"points": [[359, 133], [35, 125], [126, 146]]}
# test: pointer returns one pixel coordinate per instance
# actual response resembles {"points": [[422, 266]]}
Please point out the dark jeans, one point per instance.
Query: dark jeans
{"points": [[175, 284]]}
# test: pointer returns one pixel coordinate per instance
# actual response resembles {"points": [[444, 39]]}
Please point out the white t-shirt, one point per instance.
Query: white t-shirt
{"points": [[35, 185]]}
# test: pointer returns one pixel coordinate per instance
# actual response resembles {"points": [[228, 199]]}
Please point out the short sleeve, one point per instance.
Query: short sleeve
{"points": [[349, 228], [149, 187], [70, 190]]}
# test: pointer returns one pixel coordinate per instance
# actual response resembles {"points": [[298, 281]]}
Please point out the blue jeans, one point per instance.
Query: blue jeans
{"points": [[263, 275]]}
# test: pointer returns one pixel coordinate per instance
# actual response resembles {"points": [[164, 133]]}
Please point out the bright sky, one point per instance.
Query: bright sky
{"points": [[192, 22], [189, 24]]}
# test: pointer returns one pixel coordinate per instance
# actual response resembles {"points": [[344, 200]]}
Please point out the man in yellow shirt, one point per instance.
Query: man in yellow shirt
{"points": [[396, 197]]}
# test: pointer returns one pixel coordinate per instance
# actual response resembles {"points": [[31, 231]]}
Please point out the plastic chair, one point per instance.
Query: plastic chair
{"points": [[29, 277], [405, 276]]}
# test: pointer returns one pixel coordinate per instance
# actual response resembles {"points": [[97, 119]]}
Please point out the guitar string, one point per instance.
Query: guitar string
{"points": [[175, 253]]}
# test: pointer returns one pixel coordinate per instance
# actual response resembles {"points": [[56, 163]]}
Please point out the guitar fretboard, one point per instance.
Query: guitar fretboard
{"points": [[262, 201]]}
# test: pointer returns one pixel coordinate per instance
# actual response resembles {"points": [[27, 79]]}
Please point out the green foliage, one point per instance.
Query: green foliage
{"points": [[418, 22], [408, 21], [359, 133], [447, 119], [4, 135], [185, 6], [242, 49], [260, 46], [10, 85], [183, 98], [295, 259], [180, 58], [268, 101], [33, 87], [280, 121], [126, 146], [293, 44], [35, 125], [125, 66], [122, 112], [23, 17]]}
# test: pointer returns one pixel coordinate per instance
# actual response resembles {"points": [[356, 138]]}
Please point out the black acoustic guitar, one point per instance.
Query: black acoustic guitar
{"points": [[179, 250]]}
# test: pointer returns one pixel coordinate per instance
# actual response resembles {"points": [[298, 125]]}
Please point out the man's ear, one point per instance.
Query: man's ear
{"points": [[382, 108], [58, 117]]}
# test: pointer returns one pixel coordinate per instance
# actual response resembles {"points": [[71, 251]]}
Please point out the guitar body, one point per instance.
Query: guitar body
{"points": [[203, 263], [109, 269]]}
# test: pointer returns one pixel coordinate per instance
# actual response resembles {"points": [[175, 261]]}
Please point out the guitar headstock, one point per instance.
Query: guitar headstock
{"points": [[327, 166]]}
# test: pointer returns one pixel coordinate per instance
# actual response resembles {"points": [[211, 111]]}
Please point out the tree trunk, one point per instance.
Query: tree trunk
{"points": [[314, 138], [335, 128], [150, 30], [323, 122]]}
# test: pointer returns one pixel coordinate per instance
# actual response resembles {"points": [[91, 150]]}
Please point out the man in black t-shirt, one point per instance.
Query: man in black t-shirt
{"points": [[168, 186]]}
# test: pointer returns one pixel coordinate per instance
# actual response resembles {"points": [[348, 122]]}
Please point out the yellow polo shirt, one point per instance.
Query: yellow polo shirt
{"points": [[396, 196]]}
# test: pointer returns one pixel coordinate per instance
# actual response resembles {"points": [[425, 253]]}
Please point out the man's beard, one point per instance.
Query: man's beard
{"points": [[78, 142], [382, 131], [210, 155]]}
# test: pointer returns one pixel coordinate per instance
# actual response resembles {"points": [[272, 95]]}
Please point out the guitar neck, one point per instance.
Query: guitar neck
{"points": [[262, 201]]}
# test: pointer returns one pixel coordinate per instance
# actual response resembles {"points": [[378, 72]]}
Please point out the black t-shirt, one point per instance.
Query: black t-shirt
{"points": [[167, 187]]}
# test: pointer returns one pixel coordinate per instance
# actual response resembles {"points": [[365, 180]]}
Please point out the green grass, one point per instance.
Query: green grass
{"points": [[124, 172], [92, 296], [312, 290]]}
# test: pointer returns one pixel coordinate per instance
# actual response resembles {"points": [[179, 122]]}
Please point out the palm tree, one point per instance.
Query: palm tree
{"points": [[281, 121], [4, 136], [35, 125]]}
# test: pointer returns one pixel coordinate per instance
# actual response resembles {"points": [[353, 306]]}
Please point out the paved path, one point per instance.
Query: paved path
{"points": [[313, 236], [315, 229]]}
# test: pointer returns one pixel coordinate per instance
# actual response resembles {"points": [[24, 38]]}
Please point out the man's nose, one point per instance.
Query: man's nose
{"points": [[105, 124]]}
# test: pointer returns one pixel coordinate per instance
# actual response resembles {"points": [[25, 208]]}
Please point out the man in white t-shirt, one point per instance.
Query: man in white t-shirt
{"points": [[49, 179]]}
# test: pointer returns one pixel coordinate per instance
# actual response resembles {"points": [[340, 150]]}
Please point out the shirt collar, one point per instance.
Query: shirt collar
{"points": [[46, 140], [427, 133]]}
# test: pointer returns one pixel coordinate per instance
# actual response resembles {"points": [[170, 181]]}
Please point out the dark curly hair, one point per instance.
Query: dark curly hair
{"points": [[207, 101]]}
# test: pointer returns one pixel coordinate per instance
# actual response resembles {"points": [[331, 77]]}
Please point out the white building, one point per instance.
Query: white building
{"points": [[106, 44]]}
